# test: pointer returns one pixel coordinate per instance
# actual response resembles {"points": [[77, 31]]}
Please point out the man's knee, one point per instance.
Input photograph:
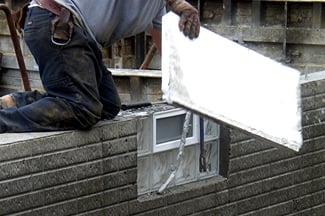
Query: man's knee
{"points": [[109, 112]]}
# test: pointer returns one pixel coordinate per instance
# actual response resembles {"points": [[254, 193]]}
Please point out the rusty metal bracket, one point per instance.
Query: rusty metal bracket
{"points": [[15, 41], [148, 57]]}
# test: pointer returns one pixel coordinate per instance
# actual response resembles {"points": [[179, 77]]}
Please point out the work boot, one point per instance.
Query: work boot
{"points": [[6, 102]]}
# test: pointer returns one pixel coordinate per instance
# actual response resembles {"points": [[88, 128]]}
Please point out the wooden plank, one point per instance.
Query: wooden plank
{"points": [[230, 83]]}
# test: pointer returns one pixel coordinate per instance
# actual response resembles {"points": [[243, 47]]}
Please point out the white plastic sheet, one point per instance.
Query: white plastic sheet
{"points": [[221, 79]]}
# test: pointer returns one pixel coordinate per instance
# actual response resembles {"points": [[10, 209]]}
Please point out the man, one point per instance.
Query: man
{"points": [[65, 37]]}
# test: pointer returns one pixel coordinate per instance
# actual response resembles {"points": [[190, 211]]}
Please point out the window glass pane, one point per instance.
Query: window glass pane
{"points": [[171, 128]]}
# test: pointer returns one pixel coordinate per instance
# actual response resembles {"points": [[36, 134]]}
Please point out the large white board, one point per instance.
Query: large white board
{"points": [[228, 82]]}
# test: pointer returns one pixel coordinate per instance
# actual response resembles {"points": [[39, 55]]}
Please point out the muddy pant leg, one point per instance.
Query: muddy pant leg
{"points": [[47, 114], [109, 97], [70, 73]]}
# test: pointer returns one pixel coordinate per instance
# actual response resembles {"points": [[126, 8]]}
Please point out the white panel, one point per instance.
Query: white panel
{"points": [[230, 83]]}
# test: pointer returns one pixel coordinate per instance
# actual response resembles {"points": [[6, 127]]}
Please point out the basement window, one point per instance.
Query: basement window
{"points": [[168, 128], [159, 136]]}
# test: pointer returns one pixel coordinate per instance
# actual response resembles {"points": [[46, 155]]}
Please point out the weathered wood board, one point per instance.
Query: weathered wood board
{"points": [[221, 79]]}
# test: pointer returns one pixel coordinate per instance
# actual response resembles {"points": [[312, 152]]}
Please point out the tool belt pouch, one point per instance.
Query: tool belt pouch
{"points": [[62, 28], [19, 17]]}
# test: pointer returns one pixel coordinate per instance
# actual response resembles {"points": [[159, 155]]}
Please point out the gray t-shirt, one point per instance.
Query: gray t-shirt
{"points": [[111, 20]]}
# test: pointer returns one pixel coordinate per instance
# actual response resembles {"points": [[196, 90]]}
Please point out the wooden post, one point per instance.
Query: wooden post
{"points": [[136, 89], [256, 12], [285, 28], [227, 11], [139, 49], [317, 15]]}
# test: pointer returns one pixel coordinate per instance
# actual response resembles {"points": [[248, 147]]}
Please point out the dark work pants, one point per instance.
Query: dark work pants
{"points": [[79, 90]]}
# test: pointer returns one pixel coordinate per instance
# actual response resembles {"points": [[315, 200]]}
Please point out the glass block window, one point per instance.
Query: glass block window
{"points": [[158, 141]]}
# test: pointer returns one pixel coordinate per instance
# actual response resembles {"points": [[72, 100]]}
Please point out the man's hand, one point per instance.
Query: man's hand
{"points": [[189, 22]]}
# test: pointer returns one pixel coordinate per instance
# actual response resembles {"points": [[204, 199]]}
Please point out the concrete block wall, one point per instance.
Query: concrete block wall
{"points": [[70, 173], [95, 172], [264, 180]]}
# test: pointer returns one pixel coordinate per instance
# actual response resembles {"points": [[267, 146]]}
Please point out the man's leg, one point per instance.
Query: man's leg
{"points": [[109, 97], [70, 76], [19, 99], [48, 114]]}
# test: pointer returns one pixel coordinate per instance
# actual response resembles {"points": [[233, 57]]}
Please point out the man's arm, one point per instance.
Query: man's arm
{"points": [[189, 23]]}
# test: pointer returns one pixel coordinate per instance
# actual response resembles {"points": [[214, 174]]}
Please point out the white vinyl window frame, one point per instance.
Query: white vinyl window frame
{"points": [[165, 146]]}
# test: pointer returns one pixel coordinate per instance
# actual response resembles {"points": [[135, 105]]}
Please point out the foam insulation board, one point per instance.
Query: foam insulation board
{"points": [[232, 84]]}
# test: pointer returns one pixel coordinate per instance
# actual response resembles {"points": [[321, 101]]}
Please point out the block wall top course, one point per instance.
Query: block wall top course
{"points": [[108, 129], [310, 77]]}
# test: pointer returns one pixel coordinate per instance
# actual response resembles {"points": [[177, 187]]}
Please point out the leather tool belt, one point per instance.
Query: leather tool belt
{"points": [[50, 5], [62, 24]]}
